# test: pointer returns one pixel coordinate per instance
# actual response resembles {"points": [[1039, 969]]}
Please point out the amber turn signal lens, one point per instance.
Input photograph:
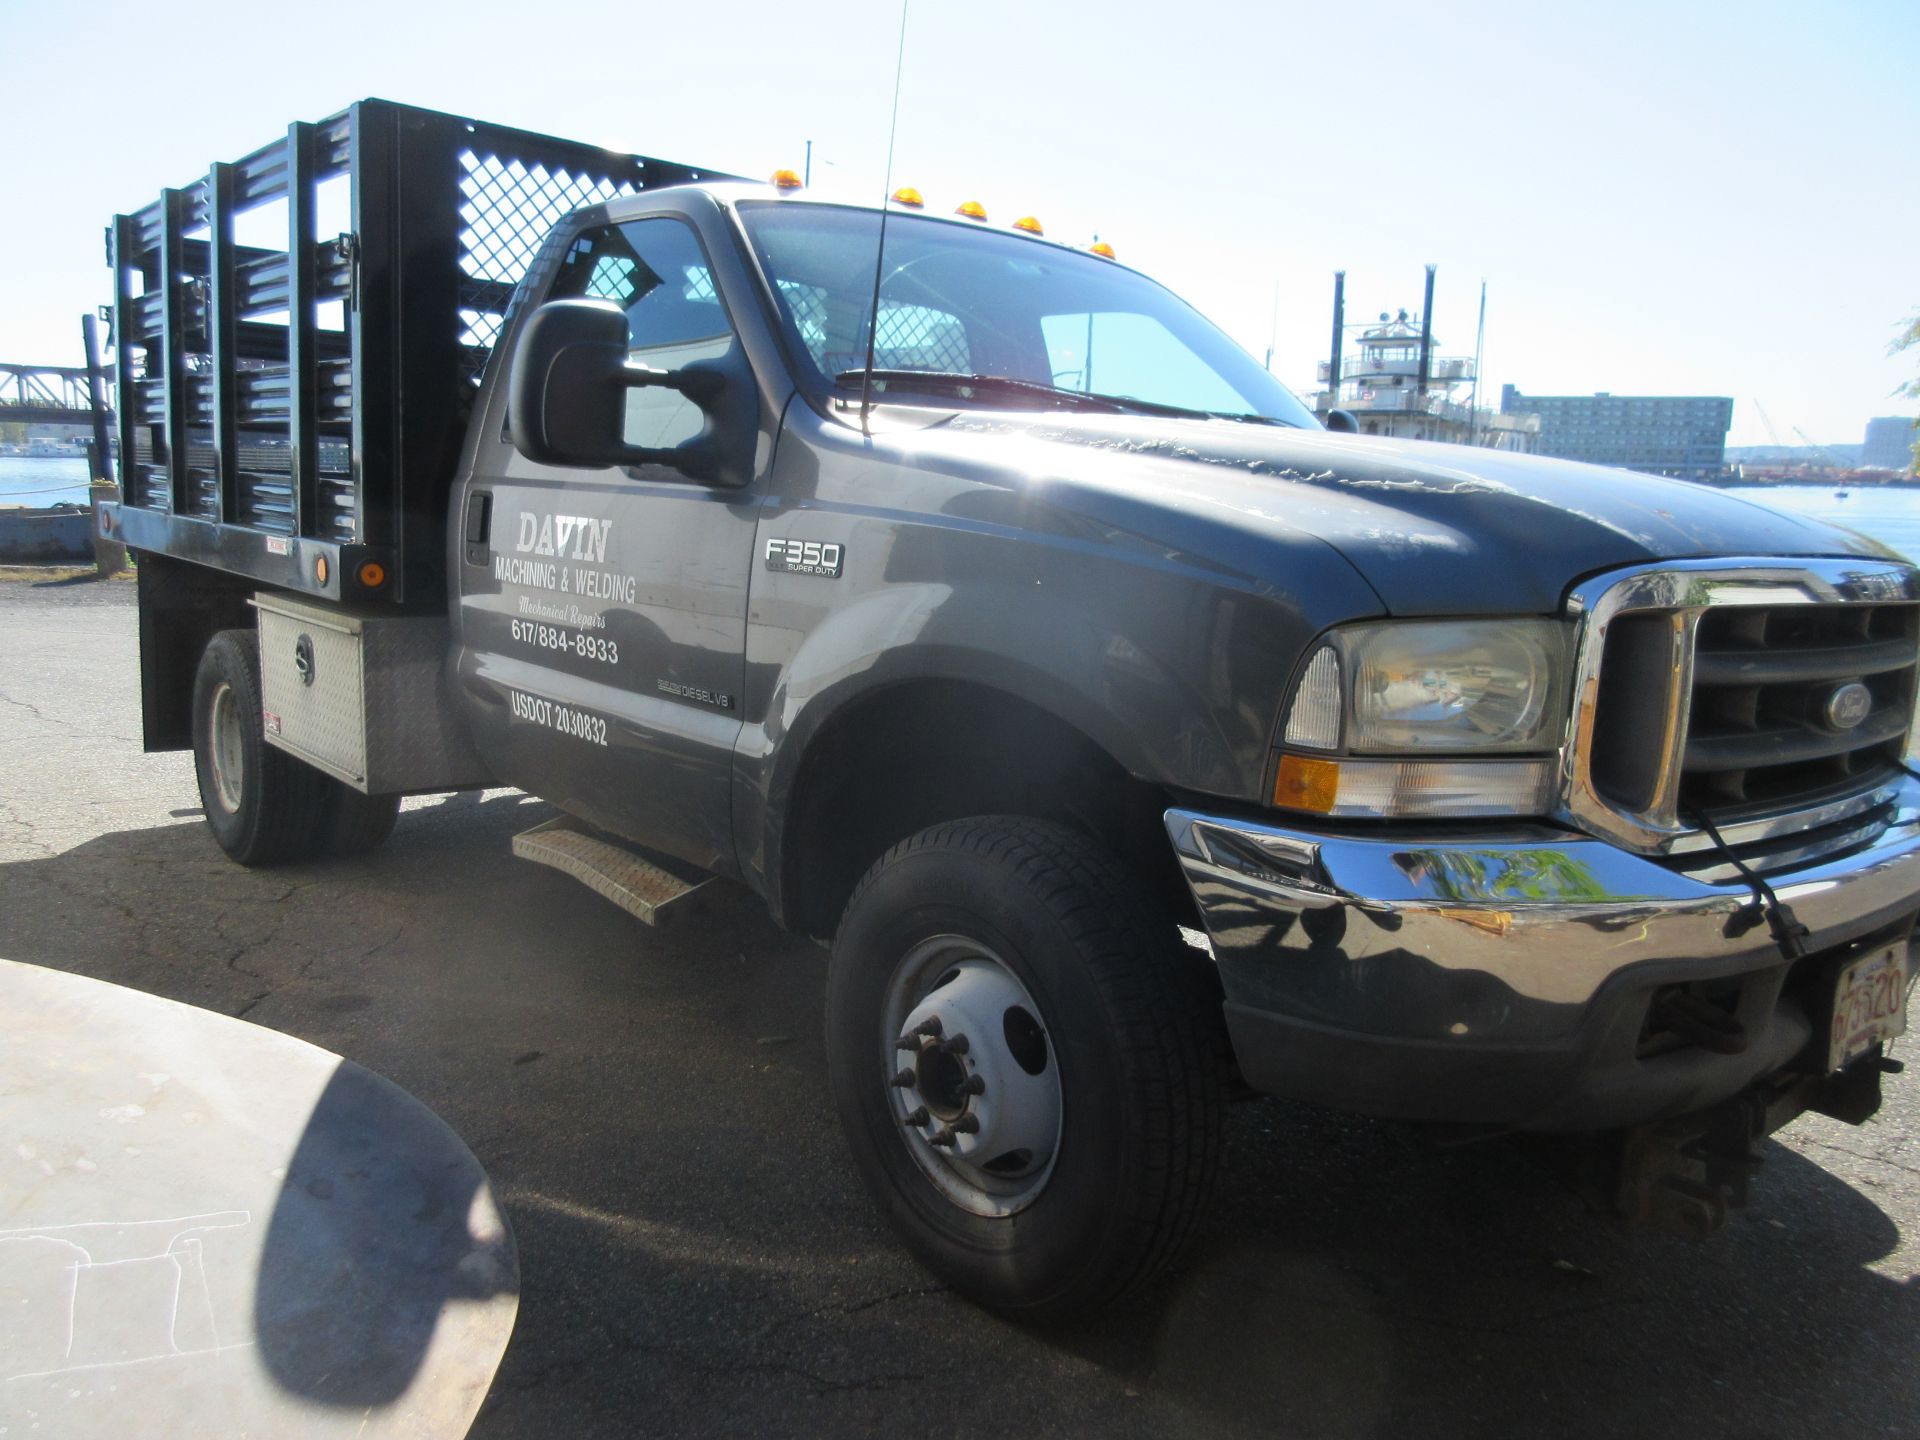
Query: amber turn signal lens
{"points": [[1311, 785], [907, 195], [320, 569], [785, 180], [373, 575], [1030, 224], [1101, 247], [972, 209]]}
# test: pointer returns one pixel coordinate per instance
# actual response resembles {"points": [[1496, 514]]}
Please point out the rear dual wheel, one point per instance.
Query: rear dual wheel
{"points": [[264, 806], [1027, 1065]]}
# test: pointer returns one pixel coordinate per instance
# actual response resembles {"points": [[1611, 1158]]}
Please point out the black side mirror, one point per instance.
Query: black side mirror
{"points": [[1343, 422], [566, 397]]}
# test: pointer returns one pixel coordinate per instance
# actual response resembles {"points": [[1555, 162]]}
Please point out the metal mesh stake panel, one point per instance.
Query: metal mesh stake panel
{"points": [[914, 337], [506, 210]]}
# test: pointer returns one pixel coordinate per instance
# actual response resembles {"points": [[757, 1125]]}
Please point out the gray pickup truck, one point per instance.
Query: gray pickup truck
{"points": [[1133, 740]]}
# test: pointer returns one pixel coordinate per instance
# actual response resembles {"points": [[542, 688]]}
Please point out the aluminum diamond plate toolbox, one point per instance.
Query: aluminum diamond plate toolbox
{"points": [[359, 694]]}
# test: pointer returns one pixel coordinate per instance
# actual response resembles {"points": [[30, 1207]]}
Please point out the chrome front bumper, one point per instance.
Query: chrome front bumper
{"points": [[1505, 978]]}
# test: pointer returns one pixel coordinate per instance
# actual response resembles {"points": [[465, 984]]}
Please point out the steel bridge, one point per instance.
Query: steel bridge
{"points": [[46, 395]]}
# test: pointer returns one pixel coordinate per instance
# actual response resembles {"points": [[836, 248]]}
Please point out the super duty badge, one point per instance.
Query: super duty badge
{"points": [[805, 557]]}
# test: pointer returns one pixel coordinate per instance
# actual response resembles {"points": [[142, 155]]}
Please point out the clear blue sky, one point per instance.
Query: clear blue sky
{"points": [[1663, 198]]}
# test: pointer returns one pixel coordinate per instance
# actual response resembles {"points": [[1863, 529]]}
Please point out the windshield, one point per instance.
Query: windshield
{"points": [[957, 301]]}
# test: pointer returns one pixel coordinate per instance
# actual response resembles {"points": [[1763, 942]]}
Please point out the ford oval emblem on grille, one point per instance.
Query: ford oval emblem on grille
{"points": [[1848, 706]]}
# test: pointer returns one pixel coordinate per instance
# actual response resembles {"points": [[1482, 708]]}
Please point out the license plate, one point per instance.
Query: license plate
{"points": [[1869, 1005]]}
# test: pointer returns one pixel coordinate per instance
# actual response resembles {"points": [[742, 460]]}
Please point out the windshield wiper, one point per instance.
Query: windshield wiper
{"points": [[972, 387], [1252, 419], [1006, 387]]}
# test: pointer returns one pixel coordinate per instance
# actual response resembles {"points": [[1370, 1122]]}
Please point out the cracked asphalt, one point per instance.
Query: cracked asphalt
{"points": [[698, 1258]]}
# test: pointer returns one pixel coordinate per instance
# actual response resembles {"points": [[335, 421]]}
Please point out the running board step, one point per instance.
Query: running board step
{"points": [[639, 884]]}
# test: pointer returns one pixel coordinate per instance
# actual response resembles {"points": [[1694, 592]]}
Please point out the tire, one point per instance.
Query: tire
{"points": [[263, 806], [968, 924]]}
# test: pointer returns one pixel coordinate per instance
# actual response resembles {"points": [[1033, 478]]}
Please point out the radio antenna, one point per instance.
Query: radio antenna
{"points": [[880, 256]]}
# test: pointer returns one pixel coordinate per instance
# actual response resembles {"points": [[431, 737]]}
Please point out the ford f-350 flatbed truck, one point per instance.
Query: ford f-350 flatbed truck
{"points": [[1129, 736]]}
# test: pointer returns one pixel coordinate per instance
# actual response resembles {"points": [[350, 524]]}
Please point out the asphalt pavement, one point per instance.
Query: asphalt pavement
{"points": [[698, 1258]]}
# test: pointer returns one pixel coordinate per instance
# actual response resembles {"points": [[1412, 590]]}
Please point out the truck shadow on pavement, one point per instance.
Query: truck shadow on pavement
{"points": [[1360, 1281], [698, 1257]]}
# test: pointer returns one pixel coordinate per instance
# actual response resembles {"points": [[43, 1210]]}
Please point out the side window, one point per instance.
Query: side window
{"points": [[656, 271]]}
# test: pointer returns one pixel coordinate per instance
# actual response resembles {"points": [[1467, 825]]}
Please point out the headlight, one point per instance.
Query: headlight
{"points": [[1460, 686], [1474, 689]]}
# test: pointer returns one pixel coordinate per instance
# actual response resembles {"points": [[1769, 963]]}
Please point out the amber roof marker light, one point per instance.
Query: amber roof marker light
{"points": [[1030, 224], [910, 197], [784, 180], [971, 210], [1102, 249]]}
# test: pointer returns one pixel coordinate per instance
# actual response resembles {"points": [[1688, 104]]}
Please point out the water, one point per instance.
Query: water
{"points": [[1887, 513], [34, 480]]}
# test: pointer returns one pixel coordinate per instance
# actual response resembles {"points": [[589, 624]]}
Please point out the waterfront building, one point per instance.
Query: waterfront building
{"points": [[1679, 435], [1380, 385], [1889, 444]]}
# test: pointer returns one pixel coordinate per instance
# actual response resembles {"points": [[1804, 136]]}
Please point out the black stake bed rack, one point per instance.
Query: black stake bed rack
{"points": [[292, 409]]}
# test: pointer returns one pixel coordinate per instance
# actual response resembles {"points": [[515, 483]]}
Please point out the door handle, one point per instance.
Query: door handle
{"points": [[479, 525]]}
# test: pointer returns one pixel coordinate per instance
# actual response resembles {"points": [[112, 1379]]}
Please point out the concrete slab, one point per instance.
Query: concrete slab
{"points": [[207, 1227]]}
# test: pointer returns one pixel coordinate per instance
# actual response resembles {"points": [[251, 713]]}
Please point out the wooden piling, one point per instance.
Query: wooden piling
{"points": [[109, 555]]}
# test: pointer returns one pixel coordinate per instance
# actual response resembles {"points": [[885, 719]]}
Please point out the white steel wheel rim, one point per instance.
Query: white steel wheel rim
{"points": [[226, 752], [971, 1076]]}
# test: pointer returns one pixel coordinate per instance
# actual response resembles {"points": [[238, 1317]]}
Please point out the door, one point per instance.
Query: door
{"points": [[603, 611]]}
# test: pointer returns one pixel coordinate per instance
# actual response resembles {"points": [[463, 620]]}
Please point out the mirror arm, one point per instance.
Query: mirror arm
{"points": [[699, 386], [698, 458]]}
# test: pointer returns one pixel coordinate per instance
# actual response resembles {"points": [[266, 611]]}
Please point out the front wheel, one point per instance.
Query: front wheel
{"points": [[1027, 1065]]}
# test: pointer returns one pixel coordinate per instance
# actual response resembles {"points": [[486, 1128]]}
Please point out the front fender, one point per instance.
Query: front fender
{"points": [[1045, 650], [1166, 639]]}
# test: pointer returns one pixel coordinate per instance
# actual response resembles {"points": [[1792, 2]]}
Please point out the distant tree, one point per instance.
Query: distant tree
{"points": [[13, 432], [1910, 340]]}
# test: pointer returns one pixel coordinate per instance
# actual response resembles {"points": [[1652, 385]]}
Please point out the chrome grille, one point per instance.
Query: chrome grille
{"points": [[1758, 731], [1716, 690]]}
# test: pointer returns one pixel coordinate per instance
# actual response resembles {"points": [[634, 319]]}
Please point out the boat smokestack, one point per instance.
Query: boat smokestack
{"points": [[1427, 335], [1339, 325]]}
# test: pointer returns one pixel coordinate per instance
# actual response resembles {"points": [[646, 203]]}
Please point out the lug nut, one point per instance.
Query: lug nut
{"points": [[907, 1042], [958, 1045], [974, 1085], [966, 1125], [904, 1080], [929, 1026], [943, 1137], [917, 1117]]}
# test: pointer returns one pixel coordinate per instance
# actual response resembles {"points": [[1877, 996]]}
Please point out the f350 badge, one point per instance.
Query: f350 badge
{"points": [[805, 557]]}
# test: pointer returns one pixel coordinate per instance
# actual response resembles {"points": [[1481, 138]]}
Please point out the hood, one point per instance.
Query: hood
{"points": [[1435, 529]]}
